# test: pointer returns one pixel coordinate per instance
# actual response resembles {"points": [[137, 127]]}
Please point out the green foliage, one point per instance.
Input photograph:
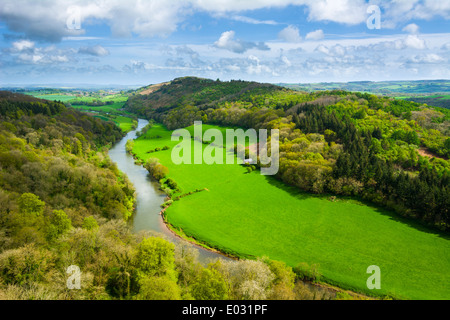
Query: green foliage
{"points": [[90, 223], [155, 258], [210, 285], [129, 146], [60, 223], [157, 170], [26, 265], [30, 204], [447, 144], [171, 184], [307, 272], [159, 288]]}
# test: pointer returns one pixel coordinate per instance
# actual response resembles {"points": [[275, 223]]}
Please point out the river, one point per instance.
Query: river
{"points": [[149, 198]]}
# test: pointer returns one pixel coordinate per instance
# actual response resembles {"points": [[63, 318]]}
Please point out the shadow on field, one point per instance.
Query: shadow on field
{"points": [[303, 195]]}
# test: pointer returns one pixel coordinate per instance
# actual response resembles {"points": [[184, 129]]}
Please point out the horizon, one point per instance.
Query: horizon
{"points": [[73, 86], [272, 41]]}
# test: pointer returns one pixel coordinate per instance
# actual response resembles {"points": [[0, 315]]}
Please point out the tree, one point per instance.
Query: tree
{"points": [[26, 265], [155, 257], [30, 204], [447, 144], [210, 285], [60, 223], [129, 146], [284, 282], [160, 172], [159, 288], [123, 281], [247, 280], [89, 223]]}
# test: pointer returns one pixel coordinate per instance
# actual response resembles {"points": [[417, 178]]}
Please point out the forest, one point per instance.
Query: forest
{"points": [[390, 152]]}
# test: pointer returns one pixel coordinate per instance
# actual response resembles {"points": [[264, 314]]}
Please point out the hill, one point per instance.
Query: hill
{"points": [[432, 92], [190, 91]]}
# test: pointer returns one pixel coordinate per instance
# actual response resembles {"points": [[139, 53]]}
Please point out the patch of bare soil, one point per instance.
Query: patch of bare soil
{"points": [[428, 154], [153, 88]]}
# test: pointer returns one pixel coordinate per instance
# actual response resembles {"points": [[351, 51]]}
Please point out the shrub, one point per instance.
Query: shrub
{"points": [[171, 184], [307, 272]]}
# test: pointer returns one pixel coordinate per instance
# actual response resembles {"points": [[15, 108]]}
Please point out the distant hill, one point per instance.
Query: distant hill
{"points": [[432, 92], [423, 87]]}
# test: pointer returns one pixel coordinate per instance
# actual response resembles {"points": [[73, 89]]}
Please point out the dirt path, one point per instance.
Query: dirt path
{"points": [[428, 154]]}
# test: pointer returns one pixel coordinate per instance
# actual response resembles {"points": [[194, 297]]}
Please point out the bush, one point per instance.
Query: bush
{"points": [[307, 272], [171, 184]]}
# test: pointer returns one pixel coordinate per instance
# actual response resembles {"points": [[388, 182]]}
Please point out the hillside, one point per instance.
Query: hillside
{"points": [[189, 91], [432, 92]]}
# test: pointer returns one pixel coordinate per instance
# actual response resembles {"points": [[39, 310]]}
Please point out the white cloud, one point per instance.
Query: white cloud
{"points": [[254, 21], [414, 42], [334, 51], [342, 11], [22, 45], [97, 51], [315, 35], [227, 41], [290, 34], [26, 52], [427, 58], [412, 28], [47, 19]]}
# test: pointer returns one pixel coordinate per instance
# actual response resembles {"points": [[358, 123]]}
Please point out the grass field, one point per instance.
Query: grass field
{"points": [[108, 108], [250, 215], [55, 97], [125, 123]]}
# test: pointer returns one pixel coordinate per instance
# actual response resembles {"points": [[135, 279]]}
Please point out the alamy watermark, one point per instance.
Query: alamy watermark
{"points": [[374, 20], [216, 151], [74, 279], [73, 21], [374, 281]]}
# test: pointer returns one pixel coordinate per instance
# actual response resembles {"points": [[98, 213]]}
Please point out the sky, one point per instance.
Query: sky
{"points": [[142, 42]]}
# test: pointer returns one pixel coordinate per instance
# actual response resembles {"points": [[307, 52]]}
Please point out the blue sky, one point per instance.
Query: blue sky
{"points": [[140, 42]]}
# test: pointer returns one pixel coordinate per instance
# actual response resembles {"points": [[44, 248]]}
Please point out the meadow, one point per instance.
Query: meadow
{"points": [[249, 215]]}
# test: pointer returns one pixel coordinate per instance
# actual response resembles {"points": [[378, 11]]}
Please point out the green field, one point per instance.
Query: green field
{"points": [[125, 123], [250, 215], [55, 97], [108, 108]]}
